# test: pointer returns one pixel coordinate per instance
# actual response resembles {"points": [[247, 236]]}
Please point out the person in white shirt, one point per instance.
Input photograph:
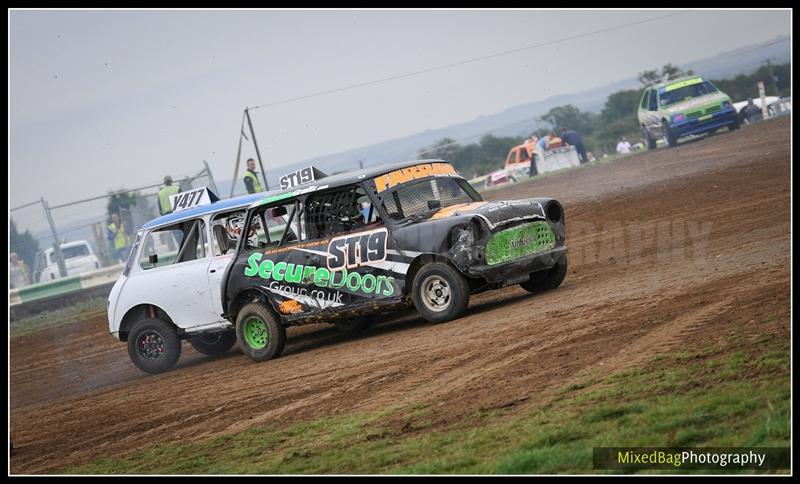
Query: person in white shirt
{"points": [[623, 146]]}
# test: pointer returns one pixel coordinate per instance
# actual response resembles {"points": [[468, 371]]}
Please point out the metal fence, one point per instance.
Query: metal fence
{"points": [[36, 258]]}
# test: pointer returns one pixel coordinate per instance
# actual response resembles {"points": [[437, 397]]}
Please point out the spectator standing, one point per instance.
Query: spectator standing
{"points": [[572, 138], [168, 190], [117, 237], [251, 178], [20, 275]]}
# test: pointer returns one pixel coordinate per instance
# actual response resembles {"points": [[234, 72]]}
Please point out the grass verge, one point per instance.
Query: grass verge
{"points": [[729, 395], [71, 314]]}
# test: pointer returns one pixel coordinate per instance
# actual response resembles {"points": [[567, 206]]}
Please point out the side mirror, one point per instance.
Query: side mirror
{"points": [[434, 204], [153, 259]]}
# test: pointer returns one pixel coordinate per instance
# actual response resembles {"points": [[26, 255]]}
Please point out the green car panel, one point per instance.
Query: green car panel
{"points": [[684, 107]]}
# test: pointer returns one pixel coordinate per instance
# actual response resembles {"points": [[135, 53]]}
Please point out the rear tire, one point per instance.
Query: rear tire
{"points": [[259, 333], [549, 279], [440, 292], [154, 345], [213, 344], [651, 143], [734, 126], [666, 132]]}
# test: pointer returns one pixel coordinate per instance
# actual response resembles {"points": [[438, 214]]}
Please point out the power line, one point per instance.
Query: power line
{"points": [[468, 61], [37, 202]]}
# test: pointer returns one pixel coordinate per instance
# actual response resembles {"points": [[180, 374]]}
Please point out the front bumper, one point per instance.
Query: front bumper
{"points": [[518, 270], [705, 123]]}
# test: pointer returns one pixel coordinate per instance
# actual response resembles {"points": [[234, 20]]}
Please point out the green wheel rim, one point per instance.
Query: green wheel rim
{"points": [[256, 333]]}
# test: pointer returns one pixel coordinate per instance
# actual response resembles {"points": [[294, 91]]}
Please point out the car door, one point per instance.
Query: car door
{"points": [[173, 274], [331, 253], [224, 230], [654, 121], [281, 264], [644, 109], [352, 245]]}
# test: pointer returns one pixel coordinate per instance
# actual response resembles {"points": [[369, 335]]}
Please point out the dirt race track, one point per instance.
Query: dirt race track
{"points": [[665, 247]]}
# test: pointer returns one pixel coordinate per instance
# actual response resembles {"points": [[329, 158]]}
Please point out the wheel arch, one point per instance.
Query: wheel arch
{"points": [[139, 312], [418, 263], [251, 295]]}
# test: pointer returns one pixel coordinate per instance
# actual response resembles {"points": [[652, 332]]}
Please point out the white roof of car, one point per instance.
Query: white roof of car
{"points": [[67, 245], [756, 100]]}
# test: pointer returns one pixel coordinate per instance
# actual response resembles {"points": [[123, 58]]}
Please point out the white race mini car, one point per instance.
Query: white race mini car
{"points": [[169, 289]]}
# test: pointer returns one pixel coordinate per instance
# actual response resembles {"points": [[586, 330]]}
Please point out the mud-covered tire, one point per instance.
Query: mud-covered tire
{"points": [[734, 126], [440, 293], [213, 344], [259, 332], [154, 345], [666, 132], [549, 279], [651, 143], [353, 325]]}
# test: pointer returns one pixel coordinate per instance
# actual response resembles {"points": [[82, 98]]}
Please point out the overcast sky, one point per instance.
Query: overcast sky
{"points": [[101, 100]]}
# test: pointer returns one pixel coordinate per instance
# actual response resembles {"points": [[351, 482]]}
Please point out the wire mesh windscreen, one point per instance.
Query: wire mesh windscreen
{"points": [[423, 197]]}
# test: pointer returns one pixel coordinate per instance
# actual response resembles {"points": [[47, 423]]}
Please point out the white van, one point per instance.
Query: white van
{"points": [[78, 258]]}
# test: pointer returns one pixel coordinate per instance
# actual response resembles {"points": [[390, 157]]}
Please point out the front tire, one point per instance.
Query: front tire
{"points": [[154, 345], [549, 279], [440, 292], [213, 344], [259, 333], [666, 132]]}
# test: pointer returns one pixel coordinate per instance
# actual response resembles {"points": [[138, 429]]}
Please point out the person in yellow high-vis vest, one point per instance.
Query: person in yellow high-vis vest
{"points": [[118, 238], [168, 190], [251, 178]]}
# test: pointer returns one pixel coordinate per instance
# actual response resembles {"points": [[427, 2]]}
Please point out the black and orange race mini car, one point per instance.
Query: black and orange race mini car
{"points": [[345, 248]]}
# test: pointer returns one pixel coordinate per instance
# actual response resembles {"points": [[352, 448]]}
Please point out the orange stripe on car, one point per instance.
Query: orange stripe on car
{"points": [[464, 207]]}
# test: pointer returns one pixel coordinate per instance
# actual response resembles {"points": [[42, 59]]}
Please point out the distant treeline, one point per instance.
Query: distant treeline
{"points": [[601, 131]]}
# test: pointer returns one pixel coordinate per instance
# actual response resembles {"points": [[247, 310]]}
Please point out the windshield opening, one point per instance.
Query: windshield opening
{"points": [[132, 254], [687, 92], [422, 198], [271, 227]]}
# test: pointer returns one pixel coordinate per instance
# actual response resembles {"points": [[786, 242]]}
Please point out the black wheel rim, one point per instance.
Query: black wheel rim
{"points": [[150, 345]]}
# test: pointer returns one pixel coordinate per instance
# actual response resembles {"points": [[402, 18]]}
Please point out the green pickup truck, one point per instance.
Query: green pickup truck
{"points": [[683, 107]]}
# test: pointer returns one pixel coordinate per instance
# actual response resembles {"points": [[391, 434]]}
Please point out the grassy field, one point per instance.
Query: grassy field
{"points": [[733, 394], [50, 319]]}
